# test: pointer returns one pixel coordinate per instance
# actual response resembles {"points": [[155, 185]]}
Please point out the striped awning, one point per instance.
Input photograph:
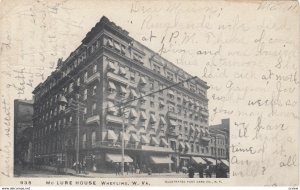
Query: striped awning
{"points": [[162, 120], [144, 139], [225, 162], [111, 135], [211, 161], [152, 118], [134, 138], [154, 141], [160, 160], [164, 142], [117, 158], [198, 160], [111, 85]]}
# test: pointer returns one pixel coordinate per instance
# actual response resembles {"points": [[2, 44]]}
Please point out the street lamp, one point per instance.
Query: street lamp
{"points": [[79, 106]]}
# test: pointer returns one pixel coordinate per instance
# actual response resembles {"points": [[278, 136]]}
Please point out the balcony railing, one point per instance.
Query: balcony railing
{"points": [[117, 78], [95, 76], [93, 119]]}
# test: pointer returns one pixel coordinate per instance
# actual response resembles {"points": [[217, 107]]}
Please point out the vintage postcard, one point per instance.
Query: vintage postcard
{"points": [[147, 93]]}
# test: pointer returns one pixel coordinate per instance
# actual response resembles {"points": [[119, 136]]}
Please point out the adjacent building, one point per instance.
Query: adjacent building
{"points": [[23, 112], [168, 128]]}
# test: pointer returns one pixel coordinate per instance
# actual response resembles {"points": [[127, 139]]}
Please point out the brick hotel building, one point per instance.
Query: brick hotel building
{"points": [[167, 129]]}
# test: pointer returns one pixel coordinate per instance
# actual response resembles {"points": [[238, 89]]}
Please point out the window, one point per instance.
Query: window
{"points": [[85, 76], [95, 68], [111, 87], [170, 76], [132, 76], [156, 68], [71, 87], [171, 108], [151, 84], [78, 81], [151, 104], [70, 119], [137, 57], [94, 106], [123, 48], [85, 94], [93, 138], [160, 86], [94, 90], [84, 113], [117, 46]]}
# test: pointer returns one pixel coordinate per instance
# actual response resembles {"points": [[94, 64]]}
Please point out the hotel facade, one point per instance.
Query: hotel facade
{"points": [[168, 128]]}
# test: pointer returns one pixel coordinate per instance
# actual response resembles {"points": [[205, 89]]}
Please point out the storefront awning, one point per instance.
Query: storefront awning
{"points": [[154, 141], [145, 139], [164, 142], [162, 120], [134, 138], [198, 160], [160, 160], [126, 136], [111, 135], [225, 162], [117, 158], [211, 161]]}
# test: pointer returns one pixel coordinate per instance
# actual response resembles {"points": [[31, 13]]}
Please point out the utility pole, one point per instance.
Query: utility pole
{"points": [[123, 143]]}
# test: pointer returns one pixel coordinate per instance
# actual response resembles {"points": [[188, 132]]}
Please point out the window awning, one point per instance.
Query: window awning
{"points": [[162, 120], [145, 139], [197, 104], [202, 130], [134, 138], [133, 93], [181, 145], [225, 162], [111, 135], [133, 113], [111, 66], [131, 128], [122, 71], [154, 141], [152, 118], [173, 123], [117, 46], [123, 90], [187, 146], [111, 85], [109, 42], [171, 92], [142, 130], [198, 160], [114, 119], [185, 99], [207, 131], [143, 80], [161, 102], [117, 158], [160, 160], [126, 137], [211, 161], [111, 107], [143, 115], [192, 127], [198, 130], [164, 142]]}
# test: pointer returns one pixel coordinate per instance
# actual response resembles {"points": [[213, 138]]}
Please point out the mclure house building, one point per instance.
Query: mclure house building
{"points": [[168, 128]]}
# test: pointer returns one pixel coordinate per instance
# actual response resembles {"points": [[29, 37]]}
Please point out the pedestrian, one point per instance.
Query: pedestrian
{"points": [[80, 167], [200, 170], [116, 167], [132, 169], [208, 172], [119, 168], [126, 168], [84, 166], [191, 171]]}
